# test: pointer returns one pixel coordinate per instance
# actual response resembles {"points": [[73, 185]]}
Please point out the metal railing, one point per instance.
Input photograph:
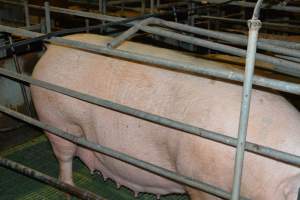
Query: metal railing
{"points": [[185, 67]]}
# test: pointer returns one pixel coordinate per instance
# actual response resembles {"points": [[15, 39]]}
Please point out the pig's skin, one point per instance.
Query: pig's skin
{"points": [[195, 100]]}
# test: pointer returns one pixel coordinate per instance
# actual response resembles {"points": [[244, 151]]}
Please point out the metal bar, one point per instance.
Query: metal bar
{"points": [[242, 21], [289, 58], [233, 75], [266, 6], [27, 16], [87, 24], [282, 66], [291, 45], [151, 6], [120, 156], [254, 26], [143, 6], [128, 34], [101, 6], [265, 44], [47, 17], [23, 89], [76, 191], [220, 138], [104, 6]]}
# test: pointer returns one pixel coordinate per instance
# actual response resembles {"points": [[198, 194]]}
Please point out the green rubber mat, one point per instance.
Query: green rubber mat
{"points": [[38, 155]]}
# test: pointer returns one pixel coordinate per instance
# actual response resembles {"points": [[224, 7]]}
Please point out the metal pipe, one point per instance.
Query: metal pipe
{"points": [[101, 6], [151, 6], [120, 156], [254, 26], [266, 6], [87, 24], [47, 17], [76, 191], [242, 21], [220, 138], [117, 41], [29, 111], [282, 66], [143, 6], [227, 74], [291, 45], [265, 44], [27, 16]]}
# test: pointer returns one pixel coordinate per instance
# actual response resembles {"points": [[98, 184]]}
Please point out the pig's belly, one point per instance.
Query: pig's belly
{"points": [[137, 138]]}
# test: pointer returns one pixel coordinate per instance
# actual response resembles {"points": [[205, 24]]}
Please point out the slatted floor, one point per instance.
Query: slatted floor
{"points": [[38, 155]]}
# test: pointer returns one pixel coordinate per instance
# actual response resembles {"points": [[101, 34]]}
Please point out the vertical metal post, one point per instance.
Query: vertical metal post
{"points": [[122, 7], [143, 5], [87, 25], [104, 6], [157, 5], [26, 12], [23, 89], [151, 6], [47, 17], [254, 26], [100, 6]]}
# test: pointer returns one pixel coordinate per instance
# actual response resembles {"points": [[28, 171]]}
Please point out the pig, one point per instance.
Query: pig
{"points": [[196, 100]]}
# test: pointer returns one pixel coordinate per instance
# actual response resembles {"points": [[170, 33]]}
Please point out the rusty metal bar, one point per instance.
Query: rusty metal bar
{"points": [[76, 191]]}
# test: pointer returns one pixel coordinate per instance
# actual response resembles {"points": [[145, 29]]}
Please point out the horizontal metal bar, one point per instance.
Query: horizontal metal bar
{"points": [[120, 156], [282, 66], [237, 38], [266, 6], [242, 21], [68, 11], [76, 191], [217, 137], [98, 16], [233, 75]]}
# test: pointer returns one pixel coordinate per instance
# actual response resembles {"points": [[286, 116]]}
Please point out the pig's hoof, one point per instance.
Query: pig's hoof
{"points": [[158, 196], [105, 178], [136, 194], [118, 185], [68, 196]]}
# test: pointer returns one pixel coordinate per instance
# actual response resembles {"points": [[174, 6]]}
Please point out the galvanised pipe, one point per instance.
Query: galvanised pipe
{"points": [[120, 156], [227, 74], [90, 15], [254, 26], [23, 89], [232, 38], [242, 21], [128, 34], [251, 147], [266, 6], [47, 17], [76, 191], [282, 66], [26, 12]]}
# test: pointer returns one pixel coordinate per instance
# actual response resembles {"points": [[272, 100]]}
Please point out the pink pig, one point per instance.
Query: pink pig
{"points": [[199, 101]]}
